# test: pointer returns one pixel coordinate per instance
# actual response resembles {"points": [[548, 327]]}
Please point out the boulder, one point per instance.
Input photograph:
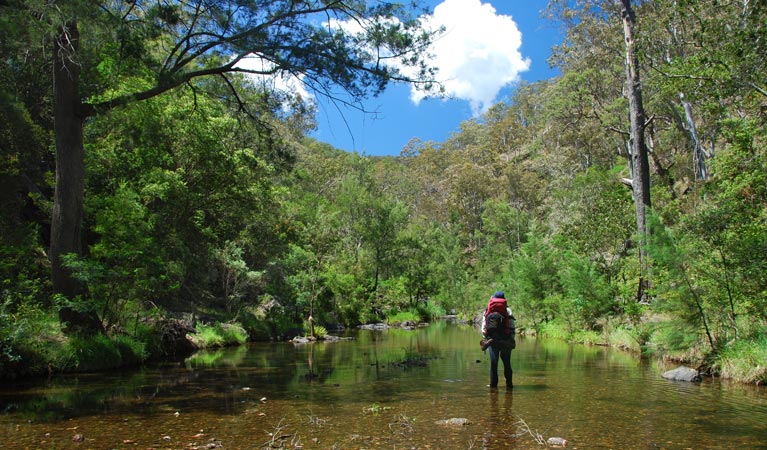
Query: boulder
{"points": [[682, 373]]}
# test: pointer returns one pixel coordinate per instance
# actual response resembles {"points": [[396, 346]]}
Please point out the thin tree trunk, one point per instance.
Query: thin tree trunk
{"points": [[640, 163], [66, 220], [701, 171]]}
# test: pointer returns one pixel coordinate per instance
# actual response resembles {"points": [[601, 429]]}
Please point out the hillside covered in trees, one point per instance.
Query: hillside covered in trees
{"points": [[208, 202]]}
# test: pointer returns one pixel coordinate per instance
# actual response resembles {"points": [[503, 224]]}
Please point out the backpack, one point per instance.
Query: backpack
{"points": [[499, 324], [495, 325]]}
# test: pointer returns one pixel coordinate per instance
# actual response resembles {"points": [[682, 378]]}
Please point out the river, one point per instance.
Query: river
{"points": [[384, 390]]}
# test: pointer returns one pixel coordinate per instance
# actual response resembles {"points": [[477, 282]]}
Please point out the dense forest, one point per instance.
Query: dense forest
{"points": [[623, 202]]}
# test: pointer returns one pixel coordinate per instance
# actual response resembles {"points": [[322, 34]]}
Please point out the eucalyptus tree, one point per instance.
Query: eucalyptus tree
{"points": [[594, 17], [639, 158], [108, 54]]}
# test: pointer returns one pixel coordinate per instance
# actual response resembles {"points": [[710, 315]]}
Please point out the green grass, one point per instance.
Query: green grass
{"points": [[744, 361], [99, 352], [675, 341], [403, 316], [219, 335], [554, 330], [587, 337], [624, 338]]}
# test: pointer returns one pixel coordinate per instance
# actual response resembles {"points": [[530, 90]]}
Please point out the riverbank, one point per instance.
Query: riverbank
{"points": [[49, 350], [742, 361]]}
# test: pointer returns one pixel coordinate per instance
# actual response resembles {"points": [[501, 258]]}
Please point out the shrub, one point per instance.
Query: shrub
{"points": [[677, 341], [29, 338]]}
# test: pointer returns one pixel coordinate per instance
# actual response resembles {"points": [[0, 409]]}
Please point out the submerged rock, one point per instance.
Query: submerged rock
{"points": [[682, 373], [373, 326], [331, 338], [326, 338], [556, 442], [455, 421]]}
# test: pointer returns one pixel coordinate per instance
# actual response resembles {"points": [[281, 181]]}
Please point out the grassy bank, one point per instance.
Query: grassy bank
{"points": [[40, 347], [742, 361]]}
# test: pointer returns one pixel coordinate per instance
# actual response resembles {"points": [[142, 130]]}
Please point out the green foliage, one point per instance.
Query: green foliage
{"points": [[587, 337], [555, 329], [236, 277], [430, 310], [587, 296], [99, 352], [625, 338], [744, 361], [316, 330], [403, 316], [219, 335], [535, 281], [675, 340]]}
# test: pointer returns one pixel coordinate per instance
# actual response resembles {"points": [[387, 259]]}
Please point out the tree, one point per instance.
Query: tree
{"points": [[640, 166], [133, 51]]}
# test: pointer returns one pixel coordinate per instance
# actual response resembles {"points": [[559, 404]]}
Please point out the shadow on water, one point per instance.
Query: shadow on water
{"points": [[386, 389]]}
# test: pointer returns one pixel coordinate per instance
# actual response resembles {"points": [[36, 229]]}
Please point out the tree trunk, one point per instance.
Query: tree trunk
{"points": [[639, 158], [66, 221]]}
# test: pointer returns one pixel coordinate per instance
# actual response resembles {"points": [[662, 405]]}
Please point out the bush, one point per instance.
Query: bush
{"points": [[29, 338], [676, 341]]}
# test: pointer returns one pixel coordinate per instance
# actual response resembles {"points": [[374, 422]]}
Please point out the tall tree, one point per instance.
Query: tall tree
{"points": [[640, 167], [132, 51]]}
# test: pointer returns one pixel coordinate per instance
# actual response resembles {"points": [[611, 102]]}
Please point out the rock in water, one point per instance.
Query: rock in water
{"points": [[455, 421], [556, 442], [682, 373]]}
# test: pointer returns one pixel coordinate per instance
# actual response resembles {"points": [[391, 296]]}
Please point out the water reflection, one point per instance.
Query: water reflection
{"points": [[385, 389]]}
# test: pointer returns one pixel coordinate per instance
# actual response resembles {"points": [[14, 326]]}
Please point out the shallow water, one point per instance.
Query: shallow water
{"points": [[384, 390]]}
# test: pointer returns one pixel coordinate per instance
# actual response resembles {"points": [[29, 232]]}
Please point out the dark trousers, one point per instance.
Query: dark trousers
{"points": [[505, 356]]}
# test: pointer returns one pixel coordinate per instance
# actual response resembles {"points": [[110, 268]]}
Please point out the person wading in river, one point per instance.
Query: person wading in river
{"points": [[498, 332]]}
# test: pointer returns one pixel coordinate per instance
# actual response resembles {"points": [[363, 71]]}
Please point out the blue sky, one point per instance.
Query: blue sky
{"points": [[492, 44]]}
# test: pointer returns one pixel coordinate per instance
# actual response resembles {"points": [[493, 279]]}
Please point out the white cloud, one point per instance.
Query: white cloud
{"points": [[477, 55], [281, 81]]}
